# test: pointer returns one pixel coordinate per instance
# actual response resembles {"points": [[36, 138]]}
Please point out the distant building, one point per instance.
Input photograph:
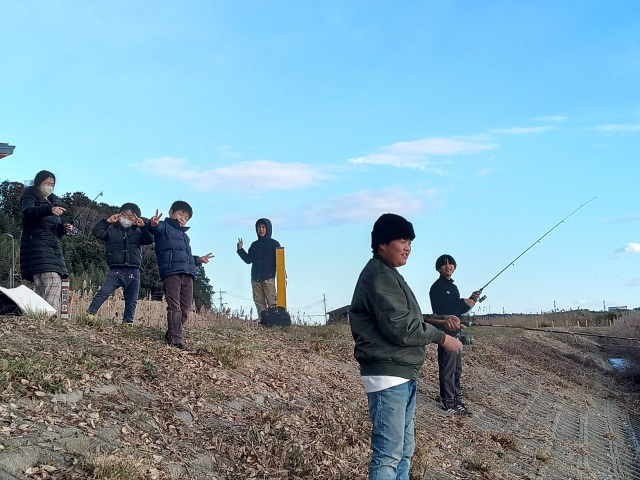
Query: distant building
{"points": [[339, 315], [622, 308], [6, 150]]}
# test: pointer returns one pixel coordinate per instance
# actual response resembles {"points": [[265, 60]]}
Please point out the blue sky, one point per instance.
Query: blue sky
{"points": [[484, 123]]}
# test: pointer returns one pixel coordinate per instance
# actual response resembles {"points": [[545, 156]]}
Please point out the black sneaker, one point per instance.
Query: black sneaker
{"points": [[449, 411], [127, 321], [462, 409], [178, 345]]}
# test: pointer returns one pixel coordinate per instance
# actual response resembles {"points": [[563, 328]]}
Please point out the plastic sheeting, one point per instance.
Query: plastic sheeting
{"points": [[22, 300]]}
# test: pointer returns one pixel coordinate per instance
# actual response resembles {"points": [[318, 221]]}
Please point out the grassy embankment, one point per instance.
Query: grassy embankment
{"points": [[240, 401]]}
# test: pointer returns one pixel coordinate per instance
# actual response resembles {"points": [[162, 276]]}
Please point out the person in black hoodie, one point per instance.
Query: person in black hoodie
{"points": [[124, 235], [262, 257], [445, 300], [41, 260]]}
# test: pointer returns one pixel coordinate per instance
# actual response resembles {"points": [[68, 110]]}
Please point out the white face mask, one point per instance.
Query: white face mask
{"points": [[45, 190], [125, 222]]}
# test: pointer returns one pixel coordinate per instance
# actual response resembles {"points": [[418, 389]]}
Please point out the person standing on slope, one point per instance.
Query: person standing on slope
{"points": [[390, 343], [262, 257]]}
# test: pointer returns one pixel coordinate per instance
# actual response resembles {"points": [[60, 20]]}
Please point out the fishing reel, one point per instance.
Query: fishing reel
{"points": [[466, 340], [481, 299]]}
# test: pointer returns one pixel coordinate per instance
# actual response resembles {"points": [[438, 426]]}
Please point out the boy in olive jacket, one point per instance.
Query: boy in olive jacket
{"points": [[390, 343]]}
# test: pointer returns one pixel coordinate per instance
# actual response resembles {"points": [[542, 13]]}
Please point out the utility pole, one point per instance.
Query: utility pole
{"points": [[12, 270], [604, 308], [324, 299], [554, 307], [221, 304]]}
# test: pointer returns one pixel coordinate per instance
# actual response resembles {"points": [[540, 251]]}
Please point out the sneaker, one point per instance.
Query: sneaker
{"points": [[449, 411], [127, 321], [178, 345], [462, 409], [166, 337], [90, 316]]}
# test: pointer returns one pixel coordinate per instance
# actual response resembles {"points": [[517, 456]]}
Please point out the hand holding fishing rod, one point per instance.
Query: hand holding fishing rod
{"points": [[73, 230], [512, 262]]}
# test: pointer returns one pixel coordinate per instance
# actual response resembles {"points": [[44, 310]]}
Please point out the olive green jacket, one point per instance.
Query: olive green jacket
{"points": [[386, 323]]}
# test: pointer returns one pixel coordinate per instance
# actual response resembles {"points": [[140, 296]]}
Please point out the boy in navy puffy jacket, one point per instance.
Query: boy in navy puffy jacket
{"points": [[177, 266]]}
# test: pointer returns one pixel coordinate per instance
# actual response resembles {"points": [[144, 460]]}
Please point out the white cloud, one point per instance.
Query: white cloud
{"points": [[522, 130], [619, 128], [631, 247], [365, 205], [416, 154], [552, 118], [246, 176], [362, 206]]}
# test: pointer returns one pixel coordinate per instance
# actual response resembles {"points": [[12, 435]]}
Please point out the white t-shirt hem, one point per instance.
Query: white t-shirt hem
{"points": [[375, 383]]}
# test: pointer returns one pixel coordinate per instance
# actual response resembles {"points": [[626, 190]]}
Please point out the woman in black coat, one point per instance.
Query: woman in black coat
{"points": [[41, 259]]}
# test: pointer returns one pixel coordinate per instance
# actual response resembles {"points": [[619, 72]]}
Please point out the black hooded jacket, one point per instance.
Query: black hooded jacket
{"points": [[123, 246], [262, 254], [40, 249]]}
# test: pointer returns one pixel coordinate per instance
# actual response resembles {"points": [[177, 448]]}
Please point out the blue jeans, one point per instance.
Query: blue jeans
{"points": [[129, 280], [392, 413]]}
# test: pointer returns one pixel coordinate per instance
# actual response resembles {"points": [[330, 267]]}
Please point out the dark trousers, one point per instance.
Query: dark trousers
{"points": [[178, 290], [129, 280], [450, 372]]}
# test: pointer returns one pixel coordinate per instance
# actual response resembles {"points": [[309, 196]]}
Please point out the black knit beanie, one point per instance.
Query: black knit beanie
{"points": [[390, 227], [135, 209], [41, 176], [442, 259]]}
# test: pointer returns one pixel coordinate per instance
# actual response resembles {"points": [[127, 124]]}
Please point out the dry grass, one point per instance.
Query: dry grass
{"points": [[481, 463], [264, 403], [506, 440], [112, 467]]}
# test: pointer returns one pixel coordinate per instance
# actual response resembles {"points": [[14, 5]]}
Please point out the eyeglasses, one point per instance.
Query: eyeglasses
{"points": [[49, 184]]}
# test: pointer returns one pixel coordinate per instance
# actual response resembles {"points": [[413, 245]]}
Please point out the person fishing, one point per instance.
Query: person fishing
{"points": [[445, 300], [41, 259]]}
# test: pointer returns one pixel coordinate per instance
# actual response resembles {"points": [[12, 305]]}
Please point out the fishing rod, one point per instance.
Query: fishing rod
{"points": [[512, 262], [546, 330], [74, 230]]}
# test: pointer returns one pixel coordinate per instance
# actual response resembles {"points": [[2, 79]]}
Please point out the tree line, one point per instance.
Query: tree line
{"points": [[83, 253]]}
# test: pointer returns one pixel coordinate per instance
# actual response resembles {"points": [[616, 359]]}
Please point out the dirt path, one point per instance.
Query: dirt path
{"points": [[562, 430]]}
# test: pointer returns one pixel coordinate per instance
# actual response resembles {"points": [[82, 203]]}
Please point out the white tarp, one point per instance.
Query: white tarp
{"points": [[28, 301]]}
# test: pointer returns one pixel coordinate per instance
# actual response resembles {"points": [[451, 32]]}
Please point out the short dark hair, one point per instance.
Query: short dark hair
{"points": [[182, 205], [41, 176], [135, 209], [444, 259]]}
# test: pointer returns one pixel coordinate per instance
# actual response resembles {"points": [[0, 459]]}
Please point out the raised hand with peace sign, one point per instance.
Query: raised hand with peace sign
{"points": [[155, 220]]}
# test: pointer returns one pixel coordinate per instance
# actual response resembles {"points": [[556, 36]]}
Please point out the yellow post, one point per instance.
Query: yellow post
{"points": [[281, 278]]}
